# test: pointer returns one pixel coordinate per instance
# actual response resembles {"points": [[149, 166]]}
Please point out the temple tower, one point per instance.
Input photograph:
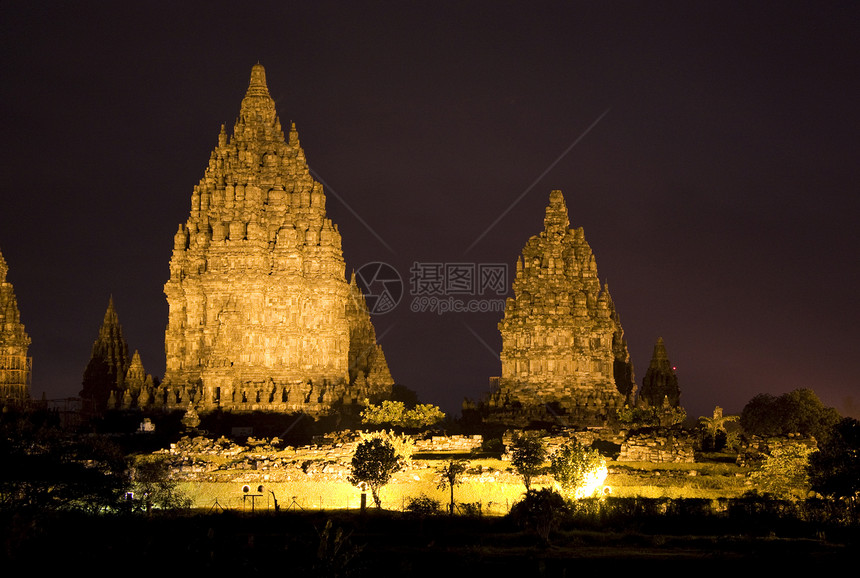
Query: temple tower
{"points": [[109, 362], [660, 382], [15, 365], [564, 357], [259, 306]]}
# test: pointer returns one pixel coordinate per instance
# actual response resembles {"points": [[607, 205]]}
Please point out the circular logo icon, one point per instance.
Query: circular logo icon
{"points": [[381, 285]]}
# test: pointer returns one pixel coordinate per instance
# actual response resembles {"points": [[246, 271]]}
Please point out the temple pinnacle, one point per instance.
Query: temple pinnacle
{"points": [[556, 222], [257, 86], [4, 269]]}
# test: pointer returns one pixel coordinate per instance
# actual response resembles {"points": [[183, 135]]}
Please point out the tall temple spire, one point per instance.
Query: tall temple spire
{"points": [[15, 365], [109, 361], [660, 382]]}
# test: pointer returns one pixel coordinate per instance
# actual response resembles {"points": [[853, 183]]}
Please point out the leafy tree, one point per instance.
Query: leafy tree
{"points": [[528, 455], [422, 416], [404, 445], [805, 414], [577, 469], [783, 473], [760, 416], [374, 462], [834, 469], [43, 468], [402, 393], [715, 426], [394, 413], [799, 411], [153, 488], [451, 477]]}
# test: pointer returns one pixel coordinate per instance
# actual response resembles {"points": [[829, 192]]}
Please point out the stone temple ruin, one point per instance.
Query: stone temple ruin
{"points": [[564, 356], [15, 365], [261, 316]]}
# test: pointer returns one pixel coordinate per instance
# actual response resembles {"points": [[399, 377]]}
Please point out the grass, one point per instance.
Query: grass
{"points": [[389, 543]]}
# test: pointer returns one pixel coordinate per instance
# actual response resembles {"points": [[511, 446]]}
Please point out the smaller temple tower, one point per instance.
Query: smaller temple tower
{"points": [[564, 356], [105, 373], [660, 383], [15, 365]]}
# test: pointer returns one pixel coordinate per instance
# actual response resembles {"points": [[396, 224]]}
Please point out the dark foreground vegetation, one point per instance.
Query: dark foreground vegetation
{"points": [[608, 533]]}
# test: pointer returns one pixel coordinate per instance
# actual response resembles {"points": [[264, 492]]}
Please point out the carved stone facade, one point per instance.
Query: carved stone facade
{"points": [[660, 383], [564, 357], [261, 316], [15, 366]]}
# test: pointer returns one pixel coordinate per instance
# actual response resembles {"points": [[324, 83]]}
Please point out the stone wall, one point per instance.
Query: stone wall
{"points": [[659, 446], [756, 448]]}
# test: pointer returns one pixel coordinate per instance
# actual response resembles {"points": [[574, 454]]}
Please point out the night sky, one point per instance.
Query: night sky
{"points": [[710, 153]]}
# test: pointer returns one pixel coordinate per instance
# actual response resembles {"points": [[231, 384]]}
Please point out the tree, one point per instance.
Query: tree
{"points": [[46, 469], [404, 445], [577, 469], [374, 462], [760, 416], [153, 488], [834, 469], [528, 455], [799, 411], [783, 473], [451, 477], [716, 425], [394, 413]]}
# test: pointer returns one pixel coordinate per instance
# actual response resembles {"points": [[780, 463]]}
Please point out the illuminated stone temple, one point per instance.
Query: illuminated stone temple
{"points": [[564, 356], [15, 365], [261, 316]]}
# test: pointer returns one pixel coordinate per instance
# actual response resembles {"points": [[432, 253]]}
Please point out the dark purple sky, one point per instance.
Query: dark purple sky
{"points": [[719, 192]]}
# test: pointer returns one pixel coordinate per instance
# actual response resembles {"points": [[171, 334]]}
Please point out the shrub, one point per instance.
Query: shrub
{"points": [[540, 511], [423, 506], [577, 469]]}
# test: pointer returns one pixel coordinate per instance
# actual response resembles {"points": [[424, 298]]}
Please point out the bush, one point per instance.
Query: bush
{"points": [[577, 469], [540, 511], [423, 506], [784, 472], [470, 508]]}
